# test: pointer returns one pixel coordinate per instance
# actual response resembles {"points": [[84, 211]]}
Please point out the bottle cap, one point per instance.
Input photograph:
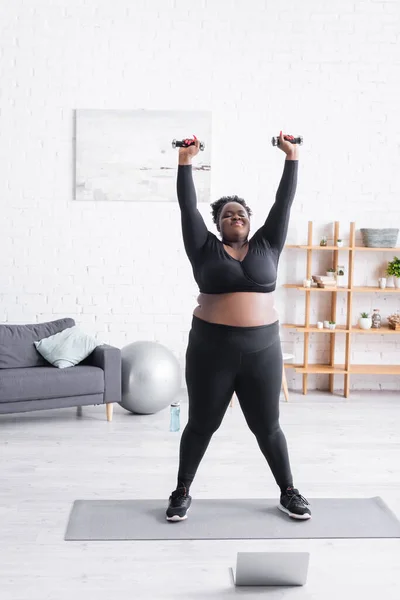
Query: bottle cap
{"points": [[175, 404]]}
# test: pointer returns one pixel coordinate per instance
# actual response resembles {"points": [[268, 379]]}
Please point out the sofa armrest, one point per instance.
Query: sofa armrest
{"points": [[108, 358]]}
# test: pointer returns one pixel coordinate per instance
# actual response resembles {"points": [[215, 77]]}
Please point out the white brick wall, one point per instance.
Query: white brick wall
{"points": [[327, 72]]}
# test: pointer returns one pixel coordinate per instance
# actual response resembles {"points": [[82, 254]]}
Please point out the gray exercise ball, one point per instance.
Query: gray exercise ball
{"points": [[151, 377]]}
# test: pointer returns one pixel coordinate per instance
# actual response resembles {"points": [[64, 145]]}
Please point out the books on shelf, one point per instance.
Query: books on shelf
{"points": [[323, 281]]}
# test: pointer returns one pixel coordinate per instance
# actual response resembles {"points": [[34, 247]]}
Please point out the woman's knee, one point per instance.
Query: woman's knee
{"points": [[204, 428], [265, 429]]}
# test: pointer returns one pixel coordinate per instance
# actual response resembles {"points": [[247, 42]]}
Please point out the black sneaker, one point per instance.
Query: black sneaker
{"points": [[179, 503], [293, 504]]}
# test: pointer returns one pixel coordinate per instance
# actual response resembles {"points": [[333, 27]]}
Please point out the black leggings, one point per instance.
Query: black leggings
{"points": [[221, 360]]}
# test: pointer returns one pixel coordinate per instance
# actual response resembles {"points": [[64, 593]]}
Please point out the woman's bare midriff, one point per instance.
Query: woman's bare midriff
{"points": [[239, 309]]}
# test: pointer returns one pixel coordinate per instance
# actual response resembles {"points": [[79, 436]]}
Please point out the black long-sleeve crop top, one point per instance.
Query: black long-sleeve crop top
{"points": [[215, 271]]}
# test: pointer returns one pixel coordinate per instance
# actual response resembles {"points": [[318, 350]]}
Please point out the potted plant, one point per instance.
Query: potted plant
{"points": [[393, 270], [339, 243], [330, 272], [332, 324], [324, 241], [365, 321], [340, 277]]}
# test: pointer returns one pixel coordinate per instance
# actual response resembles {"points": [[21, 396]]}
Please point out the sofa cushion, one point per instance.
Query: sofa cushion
{"points": [[17, 349], [48, 382], [67, 348]]}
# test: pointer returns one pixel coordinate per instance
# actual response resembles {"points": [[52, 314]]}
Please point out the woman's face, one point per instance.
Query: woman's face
{"points": [[234, 222]]}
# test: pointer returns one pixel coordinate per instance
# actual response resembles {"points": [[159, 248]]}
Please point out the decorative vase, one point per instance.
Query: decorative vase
{"points": [[382, 282], [330, 273], [396, 282], [376, 319], [340, 280], [339, 243], [365, 322], [332, 325]]}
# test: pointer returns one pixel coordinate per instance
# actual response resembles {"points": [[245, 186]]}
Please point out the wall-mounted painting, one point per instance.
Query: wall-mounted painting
{"points": [[127, 155]]}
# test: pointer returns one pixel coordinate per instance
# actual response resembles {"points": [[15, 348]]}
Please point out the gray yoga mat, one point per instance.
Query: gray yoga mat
{"points": [[230, 519]]}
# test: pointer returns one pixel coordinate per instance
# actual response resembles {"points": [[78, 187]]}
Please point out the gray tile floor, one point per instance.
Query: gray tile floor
{"points": [[48, 459]]}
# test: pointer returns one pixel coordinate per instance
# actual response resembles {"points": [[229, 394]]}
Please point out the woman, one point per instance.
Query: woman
{"points": [[234, 343]]}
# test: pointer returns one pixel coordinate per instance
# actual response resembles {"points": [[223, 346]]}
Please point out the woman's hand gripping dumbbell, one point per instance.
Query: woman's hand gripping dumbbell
{"points": [[187, 142], [276, 141]]}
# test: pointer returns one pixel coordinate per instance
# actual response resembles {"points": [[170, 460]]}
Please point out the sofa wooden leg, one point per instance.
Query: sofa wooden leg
{"points": [[109, 411]]}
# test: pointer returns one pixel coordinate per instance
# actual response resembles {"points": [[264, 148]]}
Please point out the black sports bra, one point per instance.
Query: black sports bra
{"points": [[215, 271]]}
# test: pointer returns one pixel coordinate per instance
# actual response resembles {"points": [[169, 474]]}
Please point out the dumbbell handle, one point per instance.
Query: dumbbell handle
{"points": [[296, 140], [183, 144]]}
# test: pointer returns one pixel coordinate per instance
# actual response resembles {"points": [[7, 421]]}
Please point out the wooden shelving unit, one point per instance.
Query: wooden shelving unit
{"points": [[348, 329]]}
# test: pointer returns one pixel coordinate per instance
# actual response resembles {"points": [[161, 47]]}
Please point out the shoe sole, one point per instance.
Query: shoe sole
{"points": [[293, 515], [177, 517], [282, 508]]}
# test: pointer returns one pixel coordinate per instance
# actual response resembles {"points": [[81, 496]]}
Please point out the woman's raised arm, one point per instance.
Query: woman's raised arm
{"points": [[194, 229], [275, 228]]}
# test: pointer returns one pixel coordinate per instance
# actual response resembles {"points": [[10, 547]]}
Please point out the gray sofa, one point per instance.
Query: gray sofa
{"points": [[28, 382]]}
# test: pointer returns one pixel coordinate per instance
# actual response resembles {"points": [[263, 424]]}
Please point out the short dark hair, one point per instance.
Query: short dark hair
{"points": [[217, 206]]}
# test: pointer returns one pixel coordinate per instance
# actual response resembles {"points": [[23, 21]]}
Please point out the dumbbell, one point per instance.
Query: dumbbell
{"points": [[291, 139], [183, 144]]}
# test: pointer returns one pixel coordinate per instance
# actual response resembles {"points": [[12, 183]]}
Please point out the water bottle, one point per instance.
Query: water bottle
{"points": [[175, 417]]}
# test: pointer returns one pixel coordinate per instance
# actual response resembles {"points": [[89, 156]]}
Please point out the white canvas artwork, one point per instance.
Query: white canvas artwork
{"points": [[127, 155]]}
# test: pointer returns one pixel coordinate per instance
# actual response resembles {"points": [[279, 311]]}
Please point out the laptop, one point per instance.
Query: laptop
{"points": [[271, 568]]}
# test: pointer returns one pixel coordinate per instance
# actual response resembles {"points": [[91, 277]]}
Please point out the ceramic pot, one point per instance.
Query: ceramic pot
{"points": [[365, 323]]}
